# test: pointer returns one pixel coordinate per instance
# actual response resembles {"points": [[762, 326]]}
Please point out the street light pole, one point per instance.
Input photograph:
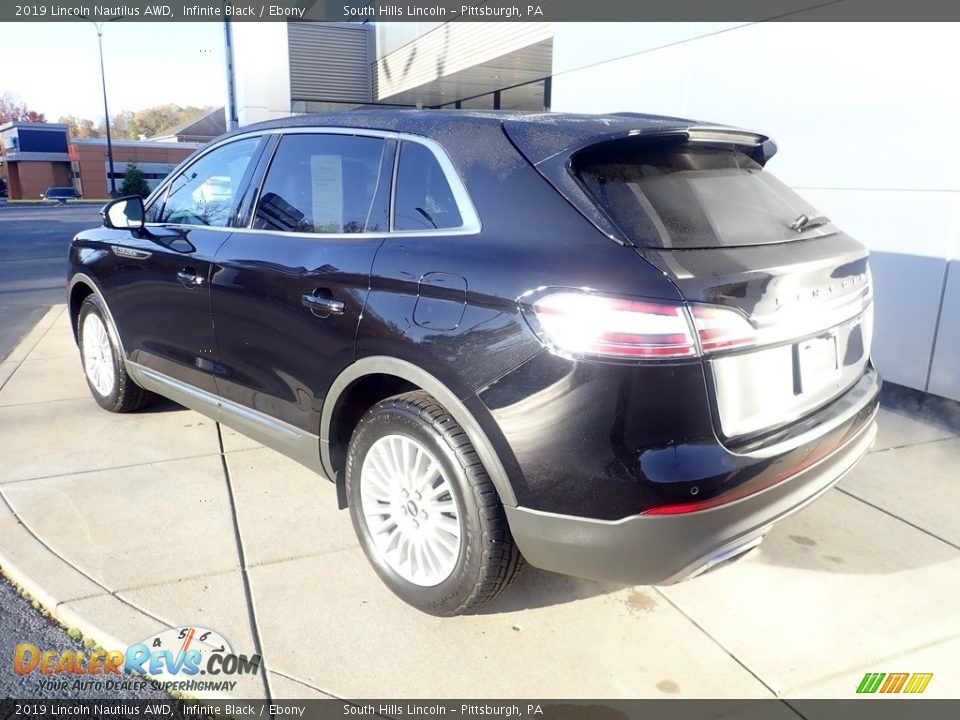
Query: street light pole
{"points": [[106, 111]]}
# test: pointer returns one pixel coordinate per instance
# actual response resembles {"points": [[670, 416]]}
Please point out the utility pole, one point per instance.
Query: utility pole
{"points": [[106, 111], [231, 108]]}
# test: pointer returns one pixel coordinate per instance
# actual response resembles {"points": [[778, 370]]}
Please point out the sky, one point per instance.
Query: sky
{"points": [[55, 68]]}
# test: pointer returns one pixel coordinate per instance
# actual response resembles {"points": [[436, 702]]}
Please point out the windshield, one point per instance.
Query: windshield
{"points": [[678, 195]]}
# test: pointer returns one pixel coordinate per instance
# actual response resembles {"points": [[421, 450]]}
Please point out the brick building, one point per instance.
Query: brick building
{"points": [[36, 156]]}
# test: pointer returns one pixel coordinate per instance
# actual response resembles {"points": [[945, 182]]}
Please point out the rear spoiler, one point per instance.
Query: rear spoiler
{"points": [[539, 146]]}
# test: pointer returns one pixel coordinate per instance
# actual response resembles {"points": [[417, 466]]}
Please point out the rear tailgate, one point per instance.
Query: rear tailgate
{"points": [[795, 326], [809, 303]]}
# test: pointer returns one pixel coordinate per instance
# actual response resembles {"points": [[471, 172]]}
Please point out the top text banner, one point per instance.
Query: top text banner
{"points": [[485, 11]]}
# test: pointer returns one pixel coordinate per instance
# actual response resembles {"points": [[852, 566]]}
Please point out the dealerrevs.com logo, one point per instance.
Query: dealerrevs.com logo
{"points": [[175, 658]]}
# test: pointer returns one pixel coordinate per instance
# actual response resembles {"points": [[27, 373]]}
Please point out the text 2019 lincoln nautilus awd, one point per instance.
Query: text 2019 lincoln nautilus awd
{"points": [[609, 346]]}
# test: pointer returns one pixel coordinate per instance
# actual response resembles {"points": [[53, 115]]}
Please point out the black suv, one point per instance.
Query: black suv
{"points": [[613, 346]]}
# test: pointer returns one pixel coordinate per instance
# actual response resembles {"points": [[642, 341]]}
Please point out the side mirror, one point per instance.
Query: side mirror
{"points": [[125, 213]]}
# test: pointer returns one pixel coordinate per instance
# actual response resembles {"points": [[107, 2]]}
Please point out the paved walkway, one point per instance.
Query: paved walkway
{"points": [[125, 525]]}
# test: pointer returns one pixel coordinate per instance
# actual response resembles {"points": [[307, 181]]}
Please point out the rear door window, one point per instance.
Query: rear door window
{"points": [[679, 195], [320, 184], [423, 199]]}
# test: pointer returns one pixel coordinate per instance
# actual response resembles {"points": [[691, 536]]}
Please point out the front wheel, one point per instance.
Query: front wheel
{"points": [[107, 377], [424, 509]]}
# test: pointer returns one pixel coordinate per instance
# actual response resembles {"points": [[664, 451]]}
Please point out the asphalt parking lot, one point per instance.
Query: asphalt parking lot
{"points": [[33, 262], [124, 525]]}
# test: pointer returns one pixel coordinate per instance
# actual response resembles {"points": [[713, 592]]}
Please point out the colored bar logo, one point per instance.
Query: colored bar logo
{"points": [[913, 683]]}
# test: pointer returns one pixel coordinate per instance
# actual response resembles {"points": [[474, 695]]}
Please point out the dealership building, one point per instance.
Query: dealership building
{"points": [[854, 107], [36, 156]]}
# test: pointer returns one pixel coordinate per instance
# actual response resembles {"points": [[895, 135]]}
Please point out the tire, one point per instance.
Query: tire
{"points": [[414, 431], [106, 374]]}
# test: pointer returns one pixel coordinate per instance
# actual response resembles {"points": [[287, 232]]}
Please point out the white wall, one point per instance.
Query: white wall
{"points": [[394, 35], [262, 70], [863, 114]]}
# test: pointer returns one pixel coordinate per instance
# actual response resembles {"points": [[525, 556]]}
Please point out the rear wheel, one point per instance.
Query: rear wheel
{"points": [[424, 509], [107, 377]]}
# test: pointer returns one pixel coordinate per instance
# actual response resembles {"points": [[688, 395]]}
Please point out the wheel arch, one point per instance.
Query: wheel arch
{"points": [[407, 376], [81, 286]]}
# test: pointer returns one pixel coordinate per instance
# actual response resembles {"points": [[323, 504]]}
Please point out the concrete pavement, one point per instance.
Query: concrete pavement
{"points": [[124, 525]]}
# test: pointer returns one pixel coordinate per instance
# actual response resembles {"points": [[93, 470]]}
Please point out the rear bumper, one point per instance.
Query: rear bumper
{"points": [[661, 549]]}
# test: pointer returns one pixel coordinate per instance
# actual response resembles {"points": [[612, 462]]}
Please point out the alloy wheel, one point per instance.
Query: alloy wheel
{"points": [[97, 355], [410, 510]]}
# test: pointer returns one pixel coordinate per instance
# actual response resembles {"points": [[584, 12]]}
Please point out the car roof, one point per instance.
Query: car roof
{"points": [[539, 135], [429, 122]]}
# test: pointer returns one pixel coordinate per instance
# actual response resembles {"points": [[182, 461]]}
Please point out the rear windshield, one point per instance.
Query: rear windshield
{"points": [[678, 195]]}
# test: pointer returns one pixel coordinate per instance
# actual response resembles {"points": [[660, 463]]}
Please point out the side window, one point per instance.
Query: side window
{"points": [[207, 191], [320, 184], [423, 200]]}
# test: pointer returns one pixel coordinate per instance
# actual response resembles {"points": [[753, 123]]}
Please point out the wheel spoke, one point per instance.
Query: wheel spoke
{"points": [[443, 540], [448, 524], [444, 506]]}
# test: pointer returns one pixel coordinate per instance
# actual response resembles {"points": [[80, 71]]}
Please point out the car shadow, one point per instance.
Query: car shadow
{"points": [[921, 406], [535, 588], [162, 405]]}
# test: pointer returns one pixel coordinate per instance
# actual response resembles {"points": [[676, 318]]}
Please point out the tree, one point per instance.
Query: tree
{"points": [[81, 128], [13, 109], [134, 182], [130, 125]]}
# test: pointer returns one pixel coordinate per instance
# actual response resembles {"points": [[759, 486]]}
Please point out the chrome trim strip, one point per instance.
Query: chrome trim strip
{"points": [[255, 416], [810, 435], [276, 426], [468, 213], [202, 396]]}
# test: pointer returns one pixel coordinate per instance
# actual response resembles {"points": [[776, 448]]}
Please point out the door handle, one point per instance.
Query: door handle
{"points": [[189, 278], [323, 304]]}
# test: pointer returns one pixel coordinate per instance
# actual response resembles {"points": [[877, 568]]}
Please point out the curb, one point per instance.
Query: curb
{"points": [[32, 338]]}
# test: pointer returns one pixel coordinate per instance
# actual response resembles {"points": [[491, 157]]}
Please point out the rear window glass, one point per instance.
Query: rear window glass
{"points": [[676, 195], [423, 199]]}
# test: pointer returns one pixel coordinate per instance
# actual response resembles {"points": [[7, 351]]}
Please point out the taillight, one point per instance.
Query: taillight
{"points": [[722, 329], [583, 323], [580, 323]]}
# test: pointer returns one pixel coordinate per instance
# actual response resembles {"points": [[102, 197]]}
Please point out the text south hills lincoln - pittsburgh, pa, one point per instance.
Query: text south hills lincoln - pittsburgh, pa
{"points": [[438, 11]]}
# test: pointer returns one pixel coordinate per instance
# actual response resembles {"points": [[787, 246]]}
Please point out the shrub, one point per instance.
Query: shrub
{"points": [[134, 182]]}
